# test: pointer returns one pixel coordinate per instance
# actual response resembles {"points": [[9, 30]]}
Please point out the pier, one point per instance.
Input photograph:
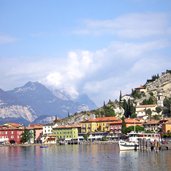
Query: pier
{"points": [[147, 145]]}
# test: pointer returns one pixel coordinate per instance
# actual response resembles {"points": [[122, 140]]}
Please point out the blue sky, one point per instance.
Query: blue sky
{"points": [[95, 47]]}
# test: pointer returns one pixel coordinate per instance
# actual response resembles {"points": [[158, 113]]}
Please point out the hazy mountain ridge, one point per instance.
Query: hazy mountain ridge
{"points": [[34, 100]]}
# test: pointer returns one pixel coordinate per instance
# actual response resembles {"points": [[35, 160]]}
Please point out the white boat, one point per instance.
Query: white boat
{"points": [[134, 139], [127, 145]]}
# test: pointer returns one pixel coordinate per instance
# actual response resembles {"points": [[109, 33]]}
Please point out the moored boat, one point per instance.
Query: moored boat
{"points": [[43, 146], [136, 139], [127, 145]]}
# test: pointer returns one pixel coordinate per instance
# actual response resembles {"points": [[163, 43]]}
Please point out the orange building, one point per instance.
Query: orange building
{"points": [[166, 126], [133, 122]]}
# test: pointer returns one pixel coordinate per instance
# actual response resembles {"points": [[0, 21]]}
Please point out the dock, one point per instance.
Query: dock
{"points": [[147, 145]]}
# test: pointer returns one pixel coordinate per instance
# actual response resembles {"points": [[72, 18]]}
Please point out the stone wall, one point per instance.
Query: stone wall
{"points": [[161, 85]]}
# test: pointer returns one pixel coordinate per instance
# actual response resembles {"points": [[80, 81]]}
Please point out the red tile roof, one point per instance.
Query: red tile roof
{"points": [[102, 119], [132, 121], [116, 122], [149, 122], [35, 126]]}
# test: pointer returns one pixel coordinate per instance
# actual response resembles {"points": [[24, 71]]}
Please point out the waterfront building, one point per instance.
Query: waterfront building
{"points": [[97, 124], [67, 132], [133, 122], [116, 127], [152, 125], [37, 132], [166, 126], [11, 133], [48, 137], [47, 129]]}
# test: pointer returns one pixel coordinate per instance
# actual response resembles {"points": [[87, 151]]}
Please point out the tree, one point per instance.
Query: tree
{"points": [[128, 108], [109, 111], [136, 128], [133, 115], [158, 109], [125, 107], [123, 130], [167, 106], [86, 136], [110, 102], [26, 136], [136, 94], [120, 97], [156, 117], [151, 100], [149, 112]]}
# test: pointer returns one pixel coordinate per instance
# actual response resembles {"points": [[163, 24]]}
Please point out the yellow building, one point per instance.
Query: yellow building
{"points": [[166, 127], [97, 124], [67, 132]]}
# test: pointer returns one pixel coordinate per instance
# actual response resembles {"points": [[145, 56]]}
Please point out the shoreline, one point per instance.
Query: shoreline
{"points": [[39, 144]]}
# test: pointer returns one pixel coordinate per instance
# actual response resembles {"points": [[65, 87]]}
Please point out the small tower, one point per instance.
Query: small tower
{"points": [[160, 99]]}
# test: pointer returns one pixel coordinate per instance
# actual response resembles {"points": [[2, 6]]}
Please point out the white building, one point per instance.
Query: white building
{"points": [[47, 129], [141, 110]]}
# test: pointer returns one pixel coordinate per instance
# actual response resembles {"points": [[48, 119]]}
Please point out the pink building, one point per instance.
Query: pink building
{"points": [[116, 127], [11, 133], [37, 130]]}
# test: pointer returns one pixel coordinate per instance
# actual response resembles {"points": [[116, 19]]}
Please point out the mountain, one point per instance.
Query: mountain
{"points": [[84, 99], [34, 100]]}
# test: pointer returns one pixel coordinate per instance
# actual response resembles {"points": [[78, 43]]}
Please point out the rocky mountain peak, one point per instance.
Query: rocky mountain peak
{"points": [[40, 101]]}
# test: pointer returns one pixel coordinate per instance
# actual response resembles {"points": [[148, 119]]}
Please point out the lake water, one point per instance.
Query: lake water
{"points": [[94, 157]]}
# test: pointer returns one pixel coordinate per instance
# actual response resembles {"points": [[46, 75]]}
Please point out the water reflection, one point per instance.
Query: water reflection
{"points": [[81, 158]]}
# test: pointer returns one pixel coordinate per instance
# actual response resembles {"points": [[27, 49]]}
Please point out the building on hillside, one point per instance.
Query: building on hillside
{"points": [[11, 133], [160, 99], [141, 89], [140, 110], [97, 124], [152, 125], [133, 122], [37, 131], [67, 132], [127, 97]]}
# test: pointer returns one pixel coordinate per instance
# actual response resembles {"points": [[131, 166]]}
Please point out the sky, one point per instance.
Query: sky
{"points": [[95, 47]]}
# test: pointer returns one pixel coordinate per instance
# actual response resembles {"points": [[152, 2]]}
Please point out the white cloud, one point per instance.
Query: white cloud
{"points": [[101, 74], [136, 25]]}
